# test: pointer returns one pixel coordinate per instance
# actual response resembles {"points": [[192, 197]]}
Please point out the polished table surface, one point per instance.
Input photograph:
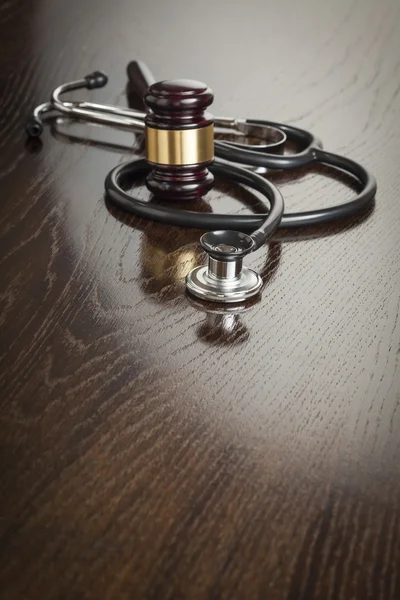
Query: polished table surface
{"points": [[149, 449]]}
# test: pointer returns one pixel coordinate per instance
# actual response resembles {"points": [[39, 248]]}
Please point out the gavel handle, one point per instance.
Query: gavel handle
{"points": [[140, 78]]}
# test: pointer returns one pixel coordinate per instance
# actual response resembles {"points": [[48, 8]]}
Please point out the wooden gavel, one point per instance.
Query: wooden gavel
{"points": [[179, 139]]}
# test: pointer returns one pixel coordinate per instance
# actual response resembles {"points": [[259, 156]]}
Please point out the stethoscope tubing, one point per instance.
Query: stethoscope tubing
{"points": [[256, 158], [261, 226], [312, 153], [187, 218]]}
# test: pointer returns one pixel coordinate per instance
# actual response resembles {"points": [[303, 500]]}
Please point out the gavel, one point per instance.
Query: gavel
{"points": [[179, 139]]}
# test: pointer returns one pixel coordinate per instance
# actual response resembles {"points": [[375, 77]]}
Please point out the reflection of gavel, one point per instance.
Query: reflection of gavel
{"points": [[179, 139]]}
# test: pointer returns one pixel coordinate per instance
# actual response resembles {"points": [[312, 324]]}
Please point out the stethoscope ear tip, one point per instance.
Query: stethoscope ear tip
{"points": [[97, 79], [34, 128]]}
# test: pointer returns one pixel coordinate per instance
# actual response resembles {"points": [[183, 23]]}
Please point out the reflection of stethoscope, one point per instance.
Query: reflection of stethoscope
{"points": [[225, 279]]}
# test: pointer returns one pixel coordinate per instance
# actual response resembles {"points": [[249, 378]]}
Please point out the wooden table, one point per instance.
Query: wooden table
{"points": [[152, 450]]}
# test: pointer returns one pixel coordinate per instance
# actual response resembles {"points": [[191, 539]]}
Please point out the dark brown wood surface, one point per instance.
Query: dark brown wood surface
{"points": [[151, 450]]}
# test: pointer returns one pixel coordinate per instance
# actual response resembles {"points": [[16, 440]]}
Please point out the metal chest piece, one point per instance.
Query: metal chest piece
{"points": [[224, 279]]}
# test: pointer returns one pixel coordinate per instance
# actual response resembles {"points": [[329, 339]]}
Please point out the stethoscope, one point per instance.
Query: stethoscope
{"points": [[225, 279]]}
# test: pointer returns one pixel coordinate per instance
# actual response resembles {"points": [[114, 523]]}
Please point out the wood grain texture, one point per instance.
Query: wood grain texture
{"points": [[151, 450]]}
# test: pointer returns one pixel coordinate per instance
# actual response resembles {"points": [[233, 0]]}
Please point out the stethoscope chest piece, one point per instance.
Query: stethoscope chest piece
{"points": [[224, 279], [202, 283]]}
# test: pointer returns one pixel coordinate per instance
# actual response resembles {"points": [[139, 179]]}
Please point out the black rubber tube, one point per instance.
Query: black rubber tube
{"points": [[262, 226], [248, 223], [299, 136]]}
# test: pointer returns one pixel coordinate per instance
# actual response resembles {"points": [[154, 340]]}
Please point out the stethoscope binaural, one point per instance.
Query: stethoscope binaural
{"points": [[225, 279], [127, 118]]}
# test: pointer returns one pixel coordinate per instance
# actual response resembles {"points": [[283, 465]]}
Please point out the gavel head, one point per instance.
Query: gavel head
{"points": [[179, 139]]}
